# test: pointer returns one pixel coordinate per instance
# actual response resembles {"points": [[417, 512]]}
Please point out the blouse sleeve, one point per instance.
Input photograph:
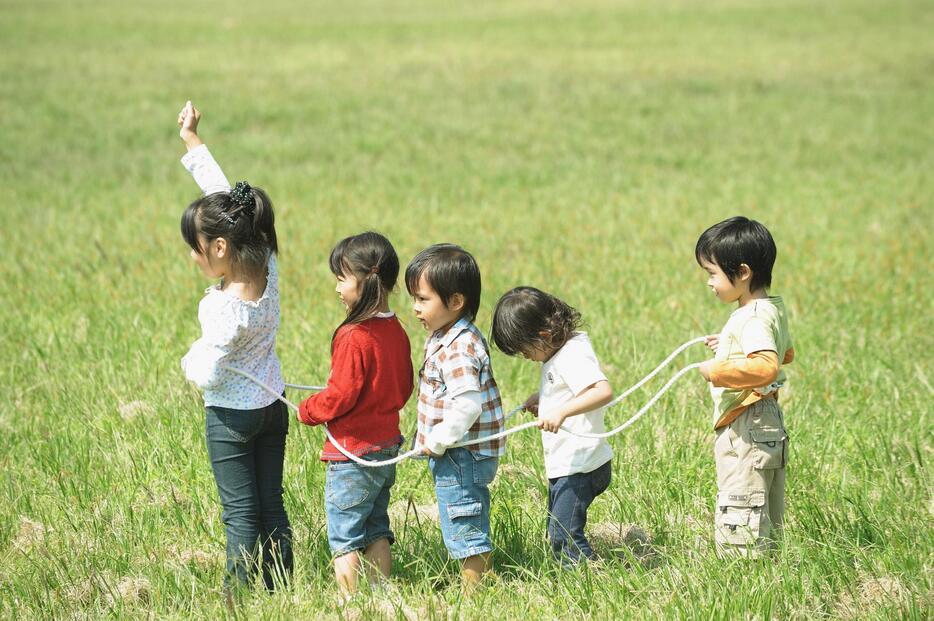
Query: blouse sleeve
{"points": [[203, 362], [205, 171], [272, 275]]}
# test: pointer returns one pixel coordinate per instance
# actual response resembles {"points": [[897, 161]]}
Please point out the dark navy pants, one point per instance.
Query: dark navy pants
{"points": [[247, 451], [568, 500]]}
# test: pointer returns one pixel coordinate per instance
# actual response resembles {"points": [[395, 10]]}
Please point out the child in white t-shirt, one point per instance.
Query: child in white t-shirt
{"points": [[571, 397]]}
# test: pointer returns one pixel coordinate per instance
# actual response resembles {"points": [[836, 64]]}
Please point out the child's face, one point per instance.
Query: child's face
{"points": [[431, 310], [348, 290], [213, 259], [537, 353], [726, 291]]}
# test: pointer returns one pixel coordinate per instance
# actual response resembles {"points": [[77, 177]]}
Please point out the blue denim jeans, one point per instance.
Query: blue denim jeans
{"points": [[356, 501], [462, 480], [568, 500], [247, 451]]}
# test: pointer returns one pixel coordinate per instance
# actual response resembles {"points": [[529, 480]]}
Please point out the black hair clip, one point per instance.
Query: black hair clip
{"points": [[242, 196]]}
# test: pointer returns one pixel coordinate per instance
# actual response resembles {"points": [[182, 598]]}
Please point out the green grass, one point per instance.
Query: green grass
{"points": [[579, 147]]}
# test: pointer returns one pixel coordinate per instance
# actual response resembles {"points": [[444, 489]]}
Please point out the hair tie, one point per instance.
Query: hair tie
{"points": [[374, 269], [242, 196]]}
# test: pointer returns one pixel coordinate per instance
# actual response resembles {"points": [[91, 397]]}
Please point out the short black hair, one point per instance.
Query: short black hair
{"points": [[448, 269], [735, 241]]}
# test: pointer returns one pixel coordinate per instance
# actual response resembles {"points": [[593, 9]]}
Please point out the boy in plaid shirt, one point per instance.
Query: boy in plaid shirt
{"points": [[458, 401]]}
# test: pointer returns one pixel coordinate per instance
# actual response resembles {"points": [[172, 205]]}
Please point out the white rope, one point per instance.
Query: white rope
{"points": [[507, 432], [664, 363], [303, 387]]}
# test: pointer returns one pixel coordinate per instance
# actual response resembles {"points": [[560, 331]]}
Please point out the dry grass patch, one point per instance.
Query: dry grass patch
{"points": [[31, 534], [872, 593], [623, 540]]}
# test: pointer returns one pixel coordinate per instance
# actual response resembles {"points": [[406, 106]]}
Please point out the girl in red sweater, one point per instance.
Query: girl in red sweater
{"points": [[371, 379]]}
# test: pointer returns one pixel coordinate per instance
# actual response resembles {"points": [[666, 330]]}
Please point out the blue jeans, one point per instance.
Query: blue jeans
{"points": [[568, 500], [356, 502], [462, 480], [247, 451]]}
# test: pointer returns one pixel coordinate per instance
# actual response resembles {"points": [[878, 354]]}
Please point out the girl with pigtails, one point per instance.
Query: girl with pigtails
{"points": [[371, 379], [232, 235]]}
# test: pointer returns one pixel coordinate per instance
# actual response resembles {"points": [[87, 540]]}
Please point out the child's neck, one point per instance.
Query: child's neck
{"points": [[248, 287], [748, 297]]}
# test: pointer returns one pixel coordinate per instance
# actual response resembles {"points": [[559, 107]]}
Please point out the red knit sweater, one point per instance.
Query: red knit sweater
{"points": [[371, 379]]}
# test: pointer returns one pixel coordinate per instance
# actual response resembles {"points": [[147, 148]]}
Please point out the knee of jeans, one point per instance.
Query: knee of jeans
{"points": [[241, 517], [274, 515], [276, 525]]}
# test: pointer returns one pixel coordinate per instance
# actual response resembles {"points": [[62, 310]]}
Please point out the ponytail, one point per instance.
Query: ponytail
{"points": [[243, 216]]}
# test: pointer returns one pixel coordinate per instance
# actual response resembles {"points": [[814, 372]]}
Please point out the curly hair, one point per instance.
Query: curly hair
{"points": [[526, 318]]}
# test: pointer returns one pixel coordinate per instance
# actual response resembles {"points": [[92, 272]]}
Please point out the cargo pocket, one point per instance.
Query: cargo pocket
{"points": [[739, 516], [465, 519], [770, 446]]}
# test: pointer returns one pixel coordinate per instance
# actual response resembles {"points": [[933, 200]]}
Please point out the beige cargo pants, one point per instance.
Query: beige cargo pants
{"points": [[750, 455]]}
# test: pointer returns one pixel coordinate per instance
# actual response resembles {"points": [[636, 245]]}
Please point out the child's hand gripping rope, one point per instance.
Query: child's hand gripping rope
{"points": [[527, 404]]}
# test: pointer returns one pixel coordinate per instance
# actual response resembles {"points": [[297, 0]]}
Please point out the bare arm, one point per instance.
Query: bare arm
{"points": [[594, 396]]}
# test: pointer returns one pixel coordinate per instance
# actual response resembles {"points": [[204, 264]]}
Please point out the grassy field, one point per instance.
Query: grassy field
{"points": [[579, 147]]}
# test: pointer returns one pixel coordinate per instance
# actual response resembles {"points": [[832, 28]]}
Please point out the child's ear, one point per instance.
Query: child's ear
{"points": [[456, 302], [745, 272], [220, 247]]}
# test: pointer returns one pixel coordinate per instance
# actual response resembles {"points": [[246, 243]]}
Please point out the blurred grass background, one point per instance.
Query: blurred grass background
{"points": [[578, 147]]}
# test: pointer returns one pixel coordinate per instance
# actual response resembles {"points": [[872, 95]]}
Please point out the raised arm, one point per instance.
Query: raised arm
{"points": [[198, 160]]}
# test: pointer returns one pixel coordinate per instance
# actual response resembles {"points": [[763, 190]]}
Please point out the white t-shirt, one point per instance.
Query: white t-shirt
{"points": [[565, 375]]}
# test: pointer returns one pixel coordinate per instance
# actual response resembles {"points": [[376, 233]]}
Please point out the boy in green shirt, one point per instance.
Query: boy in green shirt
{"points": [[751, 444]]}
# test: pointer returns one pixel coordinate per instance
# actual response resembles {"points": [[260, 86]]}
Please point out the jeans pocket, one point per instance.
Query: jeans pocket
{"points": [[347, 485], [484, 468], [241, 425], [445, 470], [769, 448]]}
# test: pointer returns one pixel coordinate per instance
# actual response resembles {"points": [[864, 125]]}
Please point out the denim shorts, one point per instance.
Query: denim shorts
{"points": [[356, 502], [462, 480]]}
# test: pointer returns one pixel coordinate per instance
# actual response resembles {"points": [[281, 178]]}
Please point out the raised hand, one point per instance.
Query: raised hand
{"points": [[188, 119]]}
